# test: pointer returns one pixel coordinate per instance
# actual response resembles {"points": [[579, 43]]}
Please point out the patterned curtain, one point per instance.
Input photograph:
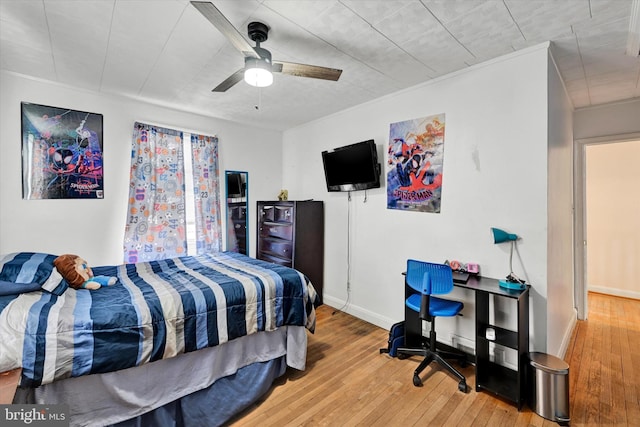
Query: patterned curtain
{"points": [[206, 189], [156, 217]]}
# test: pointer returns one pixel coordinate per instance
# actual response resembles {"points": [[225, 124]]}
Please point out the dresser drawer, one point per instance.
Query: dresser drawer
{"points": [[271, 229], [284, 213], [267, 213], [277, 247], [276, 260]]}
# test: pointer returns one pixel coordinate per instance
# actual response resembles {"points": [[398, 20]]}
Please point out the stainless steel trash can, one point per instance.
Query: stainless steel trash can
{"points": [[548, 380]]}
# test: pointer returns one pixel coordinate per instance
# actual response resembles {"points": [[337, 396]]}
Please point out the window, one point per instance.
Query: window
{"points": [[174, 207]]}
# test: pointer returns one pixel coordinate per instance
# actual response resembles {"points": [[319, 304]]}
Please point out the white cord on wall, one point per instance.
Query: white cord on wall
{"points": [[348, 255]]}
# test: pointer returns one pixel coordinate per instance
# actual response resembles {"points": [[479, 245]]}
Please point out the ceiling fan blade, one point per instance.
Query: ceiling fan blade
{"points": [[230, 81], [304, 70], [225, 27]]}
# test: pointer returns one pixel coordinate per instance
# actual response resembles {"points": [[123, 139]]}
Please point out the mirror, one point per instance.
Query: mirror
{"points": [[237, 211]]}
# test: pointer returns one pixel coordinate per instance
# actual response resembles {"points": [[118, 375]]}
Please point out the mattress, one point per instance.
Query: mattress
{"points": [[156, 311]]}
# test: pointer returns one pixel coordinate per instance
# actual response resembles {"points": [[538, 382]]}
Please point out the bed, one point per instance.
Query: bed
{"points": [[184, 341]]}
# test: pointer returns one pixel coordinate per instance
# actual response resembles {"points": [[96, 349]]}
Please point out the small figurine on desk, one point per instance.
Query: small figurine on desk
{"points": [[470, 267], [461, 271], [283, 196]]}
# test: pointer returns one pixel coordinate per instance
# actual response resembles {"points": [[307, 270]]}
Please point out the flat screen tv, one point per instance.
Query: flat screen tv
{"points": [[352, 167]]}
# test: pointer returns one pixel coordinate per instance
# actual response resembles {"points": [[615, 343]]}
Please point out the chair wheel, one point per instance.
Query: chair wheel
{"points": [[402, 356], [417, 381], [463, 363], [462, 386]]}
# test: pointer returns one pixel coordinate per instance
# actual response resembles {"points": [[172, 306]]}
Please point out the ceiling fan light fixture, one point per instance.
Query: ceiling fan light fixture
{"points": [[257, 72]]}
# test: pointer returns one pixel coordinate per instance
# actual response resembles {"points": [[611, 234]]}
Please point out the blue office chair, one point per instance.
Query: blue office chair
{"points": [[429, 279]]}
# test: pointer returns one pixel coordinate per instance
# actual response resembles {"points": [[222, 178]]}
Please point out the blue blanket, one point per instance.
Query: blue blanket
{"points": [[156, 310]]}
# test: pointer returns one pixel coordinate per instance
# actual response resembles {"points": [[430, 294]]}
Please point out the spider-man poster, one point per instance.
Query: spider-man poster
{"points": [[61, 153], [414, 164]]}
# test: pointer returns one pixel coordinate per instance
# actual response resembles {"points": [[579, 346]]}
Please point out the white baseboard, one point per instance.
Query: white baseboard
{"points": [[361, 313], [615, 292], [386, 323], [568, 333]]}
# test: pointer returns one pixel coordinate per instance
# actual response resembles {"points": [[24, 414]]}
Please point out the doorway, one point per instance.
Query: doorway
{"points": [[607, 240]]}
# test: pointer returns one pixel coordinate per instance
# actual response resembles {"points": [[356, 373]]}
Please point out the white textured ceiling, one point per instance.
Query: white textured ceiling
{"points": [[166, 52]]}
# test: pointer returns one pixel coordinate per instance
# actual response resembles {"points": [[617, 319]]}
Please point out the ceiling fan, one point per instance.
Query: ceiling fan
{"points": [[258, 66]]}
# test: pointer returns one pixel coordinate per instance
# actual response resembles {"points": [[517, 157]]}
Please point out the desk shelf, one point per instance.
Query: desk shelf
{"points": [[492, 377], [498, 380], [504, 337]]}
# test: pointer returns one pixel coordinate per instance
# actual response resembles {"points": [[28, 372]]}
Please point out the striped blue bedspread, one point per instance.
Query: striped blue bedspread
{"points": [[156, 310]]}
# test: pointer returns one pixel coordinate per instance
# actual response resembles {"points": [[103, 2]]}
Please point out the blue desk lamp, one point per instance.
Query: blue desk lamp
{"points": [[511, 281]]}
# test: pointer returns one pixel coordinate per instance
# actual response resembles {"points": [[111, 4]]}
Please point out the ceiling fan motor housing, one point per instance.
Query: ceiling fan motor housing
{"points": [[258, 32]]}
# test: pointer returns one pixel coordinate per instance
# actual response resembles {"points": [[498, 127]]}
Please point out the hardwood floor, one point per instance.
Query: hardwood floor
{"points": [[604, 361], [349, 383]]}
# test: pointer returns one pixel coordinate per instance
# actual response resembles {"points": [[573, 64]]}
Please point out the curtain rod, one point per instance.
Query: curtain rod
{"points": [[176, 128]]}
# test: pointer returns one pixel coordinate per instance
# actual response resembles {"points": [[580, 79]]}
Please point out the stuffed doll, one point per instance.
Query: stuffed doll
{"points": [[79, 275]]}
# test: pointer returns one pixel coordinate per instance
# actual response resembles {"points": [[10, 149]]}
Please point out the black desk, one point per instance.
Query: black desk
{"points": [[491, 377]]}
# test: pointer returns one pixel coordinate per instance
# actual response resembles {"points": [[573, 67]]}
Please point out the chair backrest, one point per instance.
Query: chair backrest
{"points": [[429, 278]]}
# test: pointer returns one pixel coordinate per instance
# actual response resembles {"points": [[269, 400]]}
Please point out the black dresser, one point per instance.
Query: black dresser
{"points": [[291, 233]]}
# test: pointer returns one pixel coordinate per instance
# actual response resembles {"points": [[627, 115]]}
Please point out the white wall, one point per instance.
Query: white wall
{"points": [[94, 228], [617, 118], [561, 315], [495, 174]]}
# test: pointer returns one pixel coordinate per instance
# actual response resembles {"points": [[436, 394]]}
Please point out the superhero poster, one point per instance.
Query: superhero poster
{"points": [[61, 153], [414, 164]]}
